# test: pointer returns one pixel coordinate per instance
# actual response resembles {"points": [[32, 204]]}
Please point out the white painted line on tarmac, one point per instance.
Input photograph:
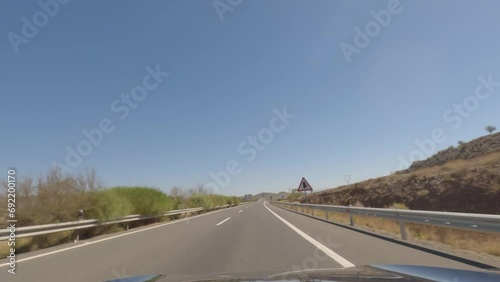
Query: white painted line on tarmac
{"points": [[223, 221], [240, 211], [109, 238], [336, 257]]}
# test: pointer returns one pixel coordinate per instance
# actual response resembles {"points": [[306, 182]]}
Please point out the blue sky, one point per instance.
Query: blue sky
{"points": [[226, 77]]}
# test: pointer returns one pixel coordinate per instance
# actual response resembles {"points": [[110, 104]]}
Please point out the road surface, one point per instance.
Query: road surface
{"points": [[250, 241]]}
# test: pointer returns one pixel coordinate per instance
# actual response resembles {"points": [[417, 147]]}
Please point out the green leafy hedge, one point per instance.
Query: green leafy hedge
{"points": [[145, 201], [120, 201]]}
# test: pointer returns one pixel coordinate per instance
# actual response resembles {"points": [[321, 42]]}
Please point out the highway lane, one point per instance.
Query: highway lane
{"points": [[252, 242], [244, 241]]}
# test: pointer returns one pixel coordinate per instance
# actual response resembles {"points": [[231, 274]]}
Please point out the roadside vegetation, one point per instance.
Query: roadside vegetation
{"points": [[57, 196], [295, 196]]}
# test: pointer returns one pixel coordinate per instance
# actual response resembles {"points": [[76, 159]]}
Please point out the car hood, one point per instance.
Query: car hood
{"points": [[361, 273]]}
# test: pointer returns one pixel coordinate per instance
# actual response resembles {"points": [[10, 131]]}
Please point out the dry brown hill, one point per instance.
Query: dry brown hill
{"points": [[465, 151], [465, 179]]}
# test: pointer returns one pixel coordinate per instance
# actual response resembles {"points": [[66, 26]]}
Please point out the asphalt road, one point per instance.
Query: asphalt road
{"points": [[249, 241]]}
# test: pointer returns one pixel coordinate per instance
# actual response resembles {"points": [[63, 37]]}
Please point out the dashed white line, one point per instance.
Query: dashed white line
{"points": [[223, 221], [240, 211], [336, 257]]}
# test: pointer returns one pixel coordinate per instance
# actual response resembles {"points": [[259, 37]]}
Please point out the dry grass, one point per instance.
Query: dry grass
{"points": [[21, 244], [457, 166], [44, 241], [490, 159], [467, 240], [461, 239], [423, 193]]}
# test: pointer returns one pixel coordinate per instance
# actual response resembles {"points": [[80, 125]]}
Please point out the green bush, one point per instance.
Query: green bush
{"points": [[235, 200], [178, 203], [201, 200], [217, 200], [294, 196], [208, 201], [108, 204], [145, 201]]}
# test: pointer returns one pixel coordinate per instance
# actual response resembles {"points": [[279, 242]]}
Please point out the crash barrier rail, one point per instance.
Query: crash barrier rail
{"points": [[468, 221], [29, 231]]}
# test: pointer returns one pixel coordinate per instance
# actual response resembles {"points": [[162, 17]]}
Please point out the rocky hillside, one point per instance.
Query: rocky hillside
{"points": [[466, 179], [472, 149]]}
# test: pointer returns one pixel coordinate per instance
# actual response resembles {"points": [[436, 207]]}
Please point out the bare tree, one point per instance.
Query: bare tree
{"points": [[200, 189], [88, 180], [27, 188], [178, 191], [490, 128]]}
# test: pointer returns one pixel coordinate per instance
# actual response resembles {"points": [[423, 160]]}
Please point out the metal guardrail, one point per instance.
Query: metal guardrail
{"points": [[29, 231], [468, 221]]}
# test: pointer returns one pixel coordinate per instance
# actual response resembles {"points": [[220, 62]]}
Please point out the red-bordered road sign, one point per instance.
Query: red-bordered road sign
{"points": [[304, 185]]}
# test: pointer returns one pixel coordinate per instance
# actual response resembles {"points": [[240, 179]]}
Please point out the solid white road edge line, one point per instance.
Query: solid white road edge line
{"points": [[336, 257], [84, 244], [223, 221]]}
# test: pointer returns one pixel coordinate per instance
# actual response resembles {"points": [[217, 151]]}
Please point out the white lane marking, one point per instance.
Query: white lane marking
{"points": [[223, 221], [240, 211], [336, 257], [109, 238]]}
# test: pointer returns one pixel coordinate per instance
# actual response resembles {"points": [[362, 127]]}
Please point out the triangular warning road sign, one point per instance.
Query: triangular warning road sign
{"points": [[304, 186]]}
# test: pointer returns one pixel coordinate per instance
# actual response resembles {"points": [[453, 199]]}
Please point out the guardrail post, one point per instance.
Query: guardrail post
{"points": [[402, 229], [312, 211], [302, 209], [351, 219], [80, 217], [326, 214]]}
